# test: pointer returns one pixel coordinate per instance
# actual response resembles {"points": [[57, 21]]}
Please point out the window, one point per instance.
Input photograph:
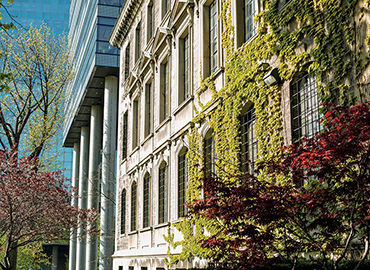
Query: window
{"points": [[164, 102], [150, 23], [131, 268], [146, 199], [165, 7], [209, 153], [124, 136], [213, 36], [123, 211], [304, 107], [248, 140], [148, 109], [137, 43], [182, 182], [120, 267], [135, 123], [133, 206], [162, 194], [127, 61], [144, 268], [249, 10], [184, 65]]}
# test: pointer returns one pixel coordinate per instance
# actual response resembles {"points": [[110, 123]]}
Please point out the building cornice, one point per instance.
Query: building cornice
{"points": [[124, 21]]}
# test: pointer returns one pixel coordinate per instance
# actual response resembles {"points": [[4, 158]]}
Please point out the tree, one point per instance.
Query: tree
{"points": [[34, 205], [317, 203], [31, 112]]}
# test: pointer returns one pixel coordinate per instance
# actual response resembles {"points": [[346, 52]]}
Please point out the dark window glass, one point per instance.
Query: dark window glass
{"points": [[250, 10], [133, 206], [182, 183], [305, 107], [148, 104], [162, 195], [213, 35], [146, 201], [138, 43], [150, 21], [164, 92], [135, 129], [124, 136], [123, 211], [186, 67], [127, 61], [210, 154], [248, 140]]}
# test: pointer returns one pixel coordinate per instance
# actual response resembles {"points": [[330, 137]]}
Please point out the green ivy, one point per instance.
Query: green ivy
{"points": [[305, 36]]}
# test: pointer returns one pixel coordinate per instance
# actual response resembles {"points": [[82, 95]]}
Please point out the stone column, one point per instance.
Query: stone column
{"points": [[108, 173], [54, 258], [82, 193], [93, 187], [75, 171]]}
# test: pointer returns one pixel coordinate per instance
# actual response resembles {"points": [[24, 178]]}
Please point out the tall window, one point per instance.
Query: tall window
{"points": [[123, 211], [184, 69], [164, 102], [182, 182], [250, 10], [150, 23], [137, 43], [165, 7], [305, 107], [213, 35], [127, 61], [248, 139], [135, 123], [210, 153], [133, 206], [162, 194], [124, 135], [148, 105], [146, 199]]}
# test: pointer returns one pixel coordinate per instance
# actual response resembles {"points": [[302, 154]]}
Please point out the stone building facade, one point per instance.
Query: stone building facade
{"points": [[168, 49]]}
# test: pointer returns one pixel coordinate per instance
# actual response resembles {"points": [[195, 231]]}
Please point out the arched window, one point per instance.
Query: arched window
{"points": [[249, 147], [305, 111], [123, 211], [162, 194], [182, 183], [146, 198], [133, 206], [209, 152]]}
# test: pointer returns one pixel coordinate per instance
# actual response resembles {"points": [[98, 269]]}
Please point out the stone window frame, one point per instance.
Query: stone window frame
{"points": [[205, 38], [238, 10], [133, 206]]}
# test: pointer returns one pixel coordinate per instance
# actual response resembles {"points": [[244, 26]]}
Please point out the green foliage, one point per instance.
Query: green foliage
{"points": [[306, 35]]}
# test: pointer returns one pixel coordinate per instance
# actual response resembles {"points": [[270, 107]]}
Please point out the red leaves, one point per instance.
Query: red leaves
{"points": [[35, 205], [262, 222]]}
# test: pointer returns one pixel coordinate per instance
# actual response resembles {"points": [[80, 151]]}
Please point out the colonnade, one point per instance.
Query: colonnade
{"points": [[94, 151]]}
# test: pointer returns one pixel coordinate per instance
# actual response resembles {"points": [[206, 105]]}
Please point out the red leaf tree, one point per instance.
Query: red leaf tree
{"points": [[34, 205], [322, 212]]}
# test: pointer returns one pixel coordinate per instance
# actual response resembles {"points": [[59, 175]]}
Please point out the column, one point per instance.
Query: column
{"points": [[54, 258], [108, 173], [82, 193], [75, 171], [93, 187]]}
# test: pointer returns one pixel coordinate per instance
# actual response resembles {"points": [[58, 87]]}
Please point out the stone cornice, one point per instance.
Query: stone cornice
{"points": [[124, 22]]}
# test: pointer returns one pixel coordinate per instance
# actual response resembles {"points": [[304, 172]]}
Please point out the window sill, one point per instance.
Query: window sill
{"points": [[216, 73], [134, 150], [146, 229], [162, 225], [183, 104], [163, 123], [147, 138], [132, 233]]}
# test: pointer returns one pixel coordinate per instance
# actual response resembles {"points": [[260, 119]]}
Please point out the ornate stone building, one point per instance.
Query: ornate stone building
{"points": [[175, 73]]}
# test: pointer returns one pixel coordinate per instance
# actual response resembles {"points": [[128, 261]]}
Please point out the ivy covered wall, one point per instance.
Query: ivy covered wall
{"points": [[327, 37]]}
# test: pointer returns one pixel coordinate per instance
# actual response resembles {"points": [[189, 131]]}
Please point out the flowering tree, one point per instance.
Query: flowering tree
{"points": [[34, 206], [318, 204]]}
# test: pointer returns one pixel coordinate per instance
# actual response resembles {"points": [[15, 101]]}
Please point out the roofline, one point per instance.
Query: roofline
{"points": [[124, 22]]}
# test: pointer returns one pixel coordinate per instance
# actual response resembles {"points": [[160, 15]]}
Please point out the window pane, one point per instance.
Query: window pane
{"points": [[133, 206], [146, 202], [213, 33], [248, 140], [162, 196], [305, 107], [123, 211], [182, 183]]}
